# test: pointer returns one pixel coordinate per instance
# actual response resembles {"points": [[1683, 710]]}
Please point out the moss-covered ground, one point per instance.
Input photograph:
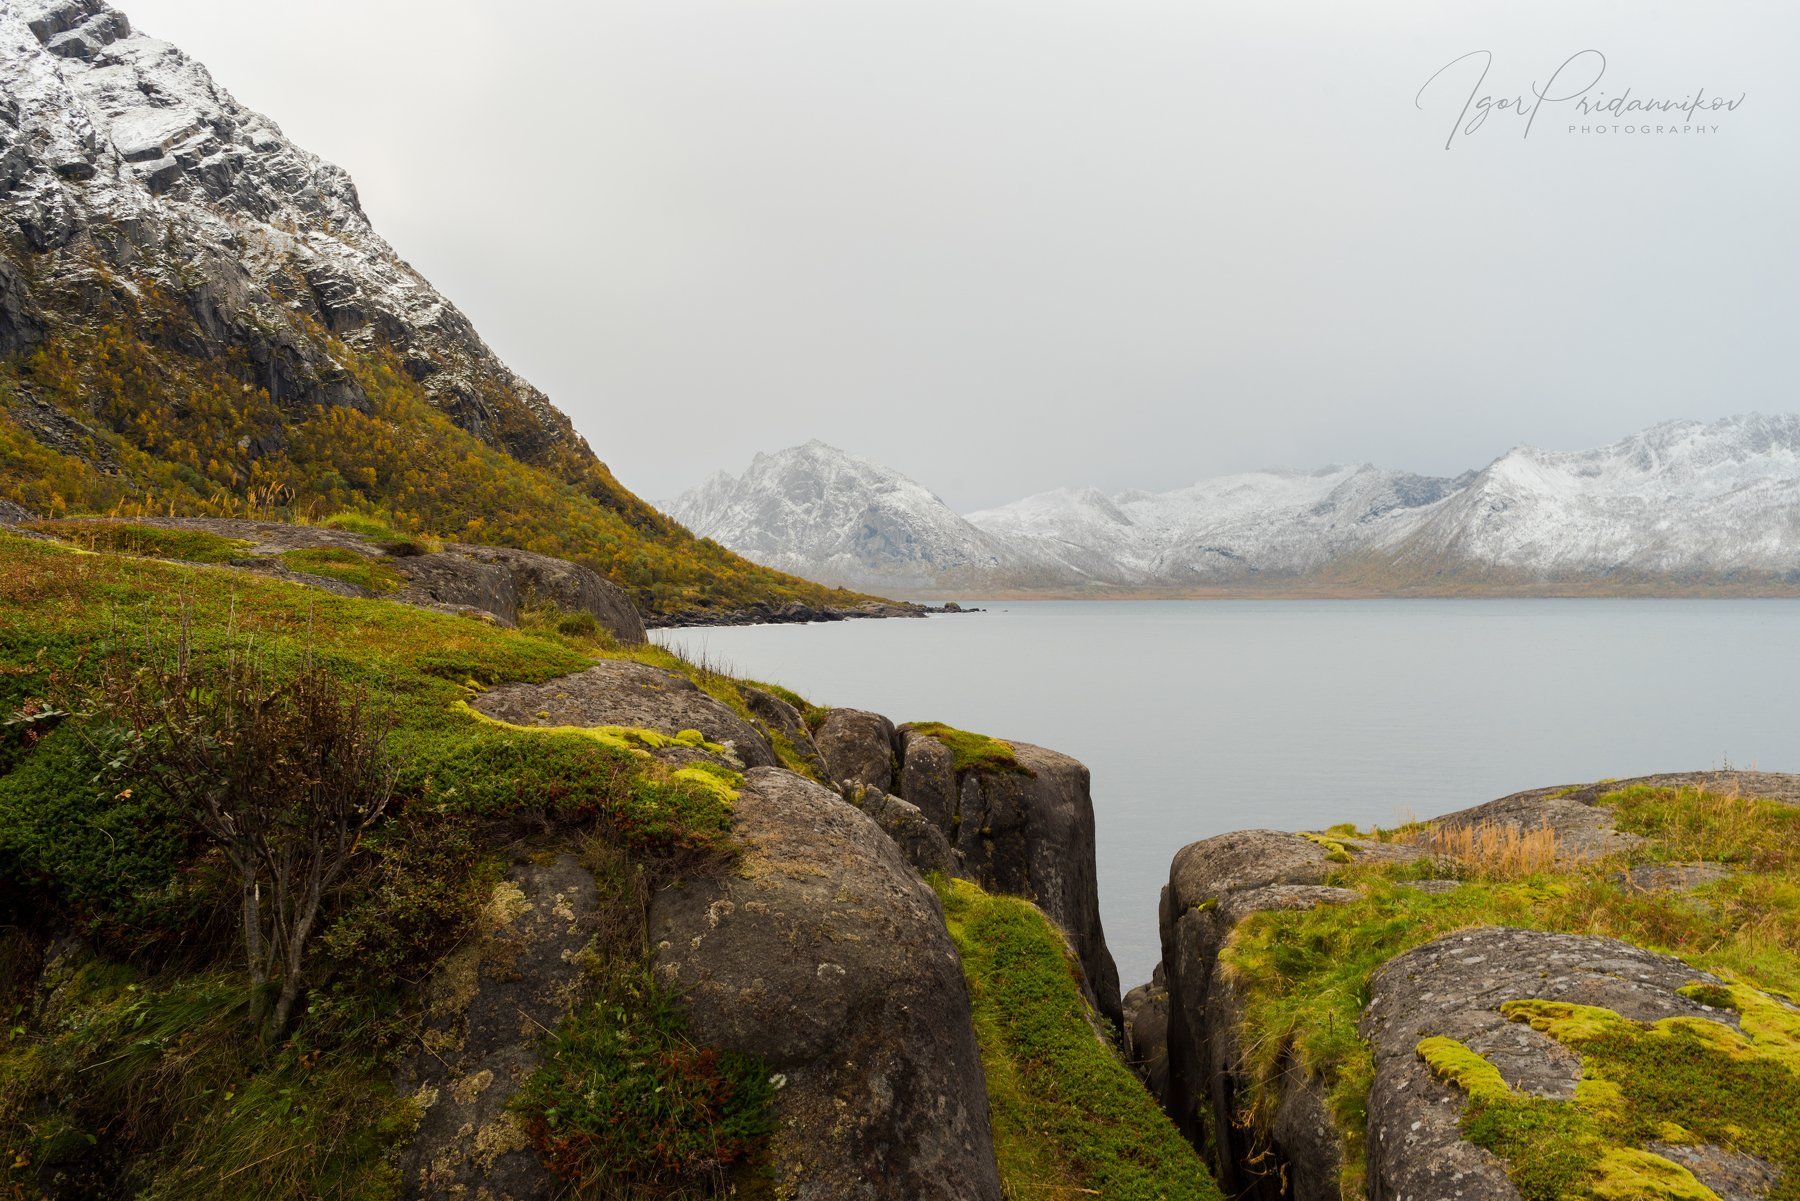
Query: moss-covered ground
{"points": [[1069, 1118], [1305, 975], [973, 752], [137, 1075]]}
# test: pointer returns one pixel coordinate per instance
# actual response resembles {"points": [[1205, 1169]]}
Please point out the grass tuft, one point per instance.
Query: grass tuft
{"points": [[1069, 1118], [973, 752]]}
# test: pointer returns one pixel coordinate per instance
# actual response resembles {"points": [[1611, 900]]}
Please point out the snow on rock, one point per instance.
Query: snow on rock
{"points": [[1683, 501], [840, 519], [117, 149]]}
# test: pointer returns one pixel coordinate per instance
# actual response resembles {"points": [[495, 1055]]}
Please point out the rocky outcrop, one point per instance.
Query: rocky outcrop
{"points": [[1146, 1032], [1213, 885], [920, 841], [546, 580], [14, 514], [1028, 832], [619, 692], [791, 612], [485, 1009], [824, 953], [779, 717], [1454, 988], [858, 748]]}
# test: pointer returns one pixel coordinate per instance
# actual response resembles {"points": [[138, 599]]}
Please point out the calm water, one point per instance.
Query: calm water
{"points": [[1199, 717]]}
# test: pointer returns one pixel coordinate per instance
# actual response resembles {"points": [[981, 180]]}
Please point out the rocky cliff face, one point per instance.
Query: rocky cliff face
{"points": [[123, 164]]}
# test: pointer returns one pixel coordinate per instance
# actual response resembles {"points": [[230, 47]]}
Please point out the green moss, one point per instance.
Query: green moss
{"points": [[1682, 1080], [149, 541], [1069, 1119], [1454, 1062], [973, 752], [1335, 849], [346, 566]]}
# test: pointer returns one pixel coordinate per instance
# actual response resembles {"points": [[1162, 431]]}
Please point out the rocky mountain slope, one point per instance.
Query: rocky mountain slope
{"points": [[1683, 506], [839, 518], [196, 315]]}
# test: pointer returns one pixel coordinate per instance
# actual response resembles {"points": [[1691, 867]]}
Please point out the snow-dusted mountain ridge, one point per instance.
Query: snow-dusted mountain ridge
{"points": [[1683, 504]]}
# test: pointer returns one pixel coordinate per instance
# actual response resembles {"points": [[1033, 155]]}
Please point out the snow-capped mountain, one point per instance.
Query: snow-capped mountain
{"points": [[1681, 506], [1679, 499], [840, 519], [122, 163], [1219, 530]]}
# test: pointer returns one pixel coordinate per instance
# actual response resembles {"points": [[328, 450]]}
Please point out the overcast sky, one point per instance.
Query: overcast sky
{"points": [[1008, 245]]}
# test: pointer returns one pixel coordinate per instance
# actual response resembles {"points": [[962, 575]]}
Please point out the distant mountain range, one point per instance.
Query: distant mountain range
{"points": [[1680, 508]]}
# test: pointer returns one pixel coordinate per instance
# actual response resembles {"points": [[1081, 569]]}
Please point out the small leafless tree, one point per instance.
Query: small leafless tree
{"points": [[285, 773]]}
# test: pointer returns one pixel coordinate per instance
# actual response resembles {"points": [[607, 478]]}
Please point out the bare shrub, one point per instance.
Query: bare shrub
{"points": [[283, 772]]}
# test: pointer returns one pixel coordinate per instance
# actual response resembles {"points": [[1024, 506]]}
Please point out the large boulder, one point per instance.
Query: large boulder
{"points": [[484, 1010], [1454, 988], [1028, 831], [858, 748], [619, 692], [1214, 885], [545, 579], [825, 954], [14, 514]]}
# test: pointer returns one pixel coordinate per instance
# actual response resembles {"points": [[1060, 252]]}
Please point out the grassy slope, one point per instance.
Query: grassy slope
{"points": [[1069, 1118], [1305, 975], [138, 1077], [172, 433]]}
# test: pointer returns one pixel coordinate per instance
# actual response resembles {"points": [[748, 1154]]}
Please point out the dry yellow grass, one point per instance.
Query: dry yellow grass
{"points": [[1492, 850]]}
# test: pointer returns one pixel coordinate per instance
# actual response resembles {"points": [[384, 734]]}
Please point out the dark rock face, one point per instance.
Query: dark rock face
{"points": [[1029, 834], [1147, 1033], [1454, 987], [520, 973], [858, 747], [792, 612], [826, 954], [12, 514], [1213, 885], [782, 718], [544, 579], [622, 693], [921, 842], [20, 327]]}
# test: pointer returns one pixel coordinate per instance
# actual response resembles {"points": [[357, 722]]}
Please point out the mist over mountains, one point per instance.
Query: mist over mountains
{"points": [[1679, 508]]}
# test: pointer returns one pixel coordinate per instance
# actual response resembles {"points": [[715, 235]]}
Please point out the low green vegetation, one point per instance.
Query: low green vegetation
{"points": [[623, 1103], [149, 541], [1679, 1080], [1304, 976], [148, 1072], [1069, 1118], [973, 752], [346, 566]]}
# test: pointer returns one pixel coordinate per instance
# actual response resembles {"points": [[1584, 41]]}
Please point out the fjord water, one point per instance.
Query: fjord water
{"points": [[1199, 717]]}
